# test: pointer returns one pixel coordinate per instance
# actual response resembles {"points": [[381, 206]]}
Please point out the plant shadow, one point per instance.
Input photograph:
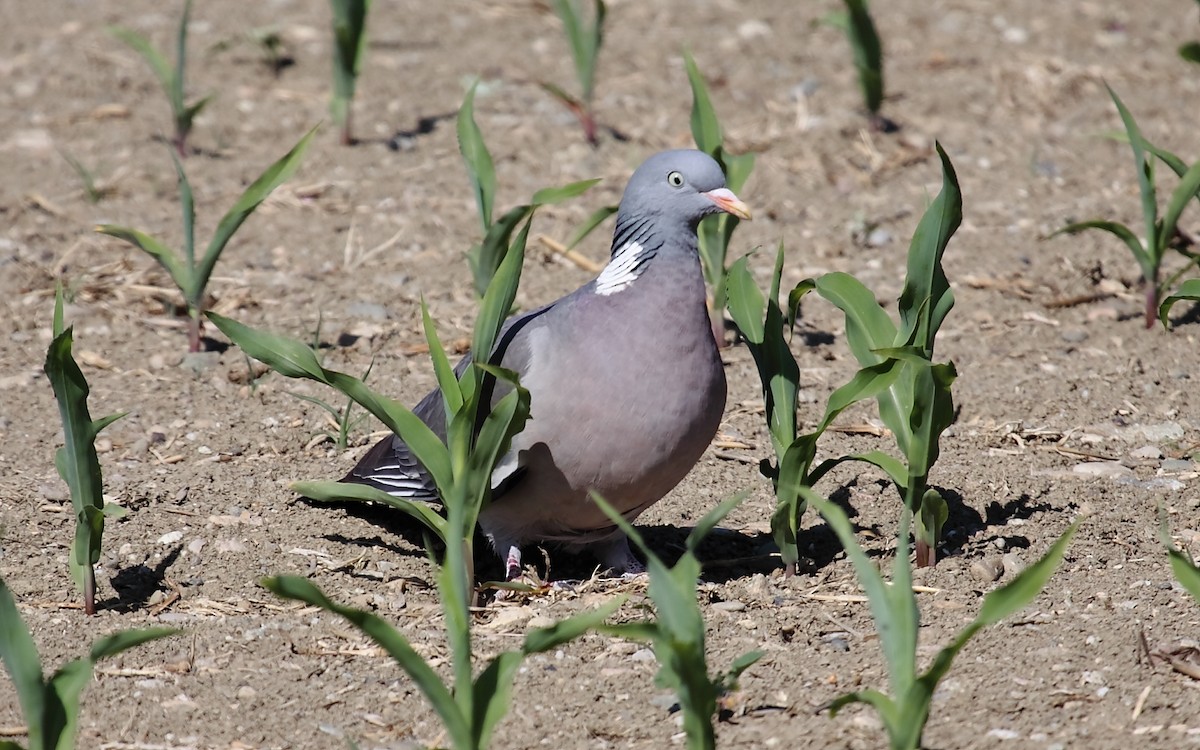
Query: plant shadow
{"points": [[137, 583]]}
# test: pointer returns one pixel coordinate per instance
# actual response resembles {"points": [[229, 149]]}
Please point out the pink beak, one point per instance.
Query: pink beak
{"points": [[728, 202]]}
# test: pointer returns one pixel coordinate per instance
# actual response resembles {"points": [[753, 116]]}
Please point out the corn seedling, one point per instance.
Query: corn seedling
{"points": [[1190, 51], [171, 78], [1182, 564], [898, 620], [485, 257], [478, 434], [763, 325], [470, 707], [51, 706], [677, 632], [349, 48], [191, 276], [1162, 233], [715, 232], [93, 191], [916, 404], [340, 419], [584, 39], [859, 27], [76, 461]]}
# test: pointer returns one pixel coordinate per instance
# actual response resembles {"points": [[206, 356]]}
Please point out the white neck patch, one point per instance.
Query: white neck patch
{"points": [[626, 265]]}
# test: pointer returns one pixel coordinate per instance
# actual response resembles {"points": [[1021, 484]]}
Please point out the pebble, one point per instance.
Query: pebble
{"points": [[170, 537], [1013, 564], [988, 569], [1147, 451], [732, 605], [1108, 469], [1073, 335], [642, 655], [368, 310]]}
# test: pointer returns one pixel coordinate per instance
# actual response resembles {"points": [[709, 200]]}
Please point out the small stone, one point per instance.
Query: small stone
{"points": [[1147, 451], [541, 621], [642, 655], [199, 363], [195, 546], [1174, 465], [988, 569], [730, 606], [1073, 335], [368, 310], [1106, 469], [1013, 564], [245, 693], [879, 238], [170, 537]]}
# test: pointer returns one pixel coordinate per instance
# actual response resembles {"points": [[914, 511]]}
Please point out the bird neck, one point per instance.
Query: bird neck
{"points": [[638, 242]]}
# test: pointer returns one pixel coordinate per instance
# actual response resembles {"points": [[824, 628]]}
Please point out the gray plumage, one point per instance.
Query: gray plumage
{"points": [[625, 380]]}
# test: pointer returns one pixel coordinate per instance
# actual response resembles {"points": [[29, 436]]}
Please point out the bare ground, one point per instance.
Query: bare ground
{"points": [[1057, 372]]}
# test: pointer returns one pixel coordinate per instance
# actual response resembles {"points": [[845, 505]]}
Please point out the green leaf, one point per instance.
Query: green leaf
{"points": [[584, 41], [892, 607], [1145, 175], [931, 517], [485, 258], [499, 296], [596, 218], [1190, 52], [286, 356], [20, 657], [391, 641], [706, 129], [492, 694], [162, 69], [350, 44], [1186, 572], [274, 176], [452, 395], [293, 359], [710, 520], [180, 274], [868, 52], [188, 206], [1122, 232], [552, 195], [77, 461], [541, 640], [926, 297], [337, 492], [480, 169], [1188, 188], [1188, 290], [124, 640]]}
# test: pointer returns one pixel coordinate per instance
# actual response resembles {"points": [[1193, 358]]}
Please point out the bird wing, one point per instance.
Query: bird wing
{"points": [[390, 465]]}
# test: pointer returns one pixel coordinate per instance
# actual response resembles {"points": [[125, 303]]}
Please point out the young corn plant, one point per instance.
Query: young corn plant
{"points": [[470, 707], [1162, 233], [860, 31], [677, 632], [349, 48], [1190, 51], [1188, 290], [584, 39], [341, 420], [916, 404], [76, 461], [51, 706], [478, 433], [764, 326], [715, 232], [190, 274], [898, 620], [170, 77], [485, 257], [1182, 564]]}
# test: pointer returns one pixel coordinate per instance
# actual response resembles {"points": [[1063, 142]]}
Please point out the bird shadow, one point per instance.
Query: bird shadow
{"points": [[137, 583]]}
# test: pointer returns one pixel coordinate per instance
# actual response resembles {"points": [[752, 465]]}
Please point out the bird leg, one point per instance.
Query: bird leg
{"points": [[512, 564], [618, 557]]}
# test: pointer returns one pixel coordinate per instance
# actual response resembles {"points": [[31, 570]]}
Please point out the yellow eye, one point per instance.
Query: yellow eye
{"points": [[675, 179]]}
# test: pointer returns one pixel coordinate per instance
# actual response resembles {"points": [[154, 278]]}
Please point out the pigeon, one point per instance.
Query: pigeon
{"points": [[625, 381]]}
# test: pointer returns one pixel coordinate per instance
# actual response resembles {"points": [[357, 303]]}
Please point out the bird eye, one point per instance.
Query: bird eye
{"points": [[675, 179]]}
